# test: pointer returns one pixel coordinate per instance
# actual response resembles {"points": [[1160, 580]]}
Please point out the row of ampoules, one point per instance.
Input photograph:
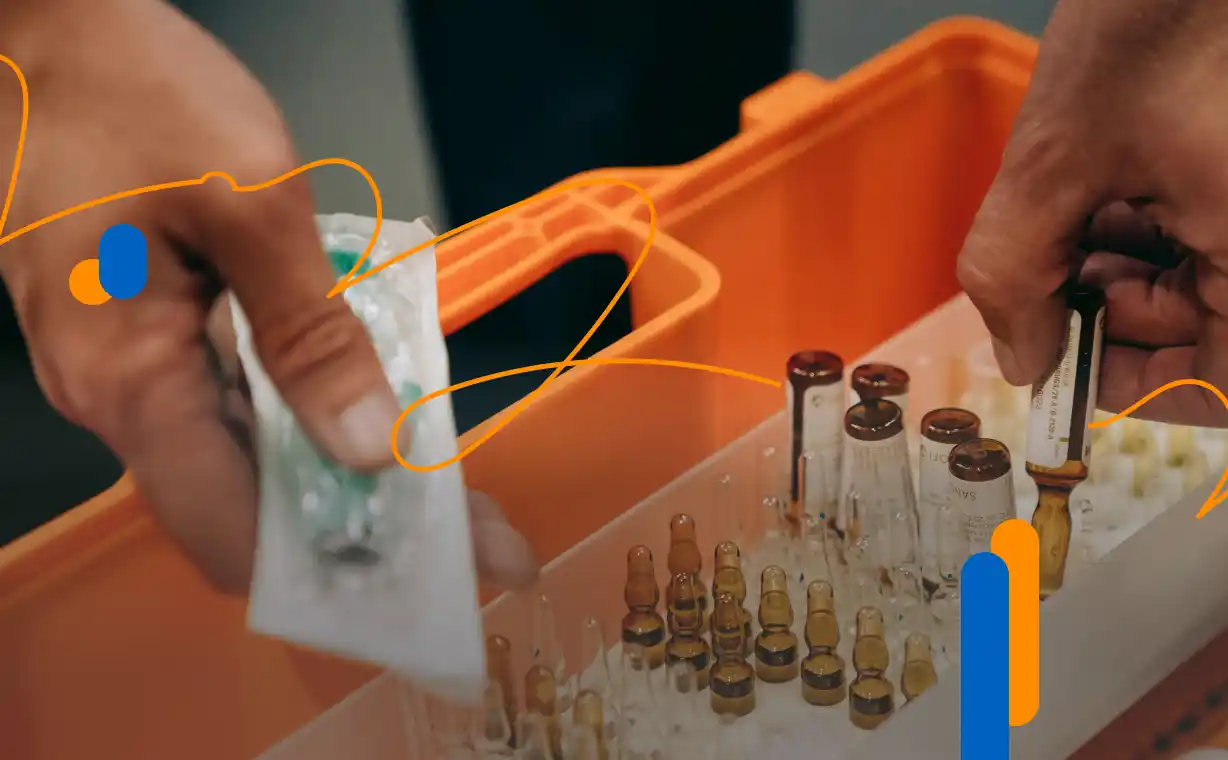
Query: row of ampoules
{"points": [[776, 650], [914, 536]]}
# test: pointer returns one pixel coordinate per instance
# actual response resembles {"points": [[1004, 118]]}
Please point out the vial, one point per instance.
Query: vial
{"points": [[918, 674], [941, 431], [878, 471], [823, 669], [686, 643], [684, 557], [871, 695], [643, 625], [541, 698], [727, 578], [589, 714], [815, 403], [499, 671], [776, 645], [732, 679], [881, 381], [982, 489], [1059, 444]]}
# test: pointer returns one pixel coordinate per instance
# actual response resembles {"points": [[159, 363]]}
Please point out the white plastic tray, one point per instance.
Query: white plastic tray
{"points": [[1115, 630]]}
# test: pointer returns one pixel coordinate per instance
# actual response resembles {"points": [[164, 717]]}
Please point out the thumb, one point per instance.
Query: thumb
{"points": [[1020, 252], [317, 353]]}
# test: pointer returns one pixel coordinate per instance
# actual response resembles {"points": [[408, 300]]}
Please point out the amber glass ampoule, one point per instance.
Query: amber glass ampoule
{"points": [[541, 698], [589, 712], [684, 557], [918, 674], [727, 578], [815, 404], [881, 381], [731, 679], [941, 430], [823, 669], [499, 670], [686, 643], [982, 490], [776, 659], [1059, 443], [642, 624], [871, 695]]}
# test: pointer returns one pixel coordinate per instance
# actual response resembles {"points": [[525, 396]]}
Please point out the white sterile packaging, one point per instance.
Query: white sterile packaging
{"points": [[372, 567]]}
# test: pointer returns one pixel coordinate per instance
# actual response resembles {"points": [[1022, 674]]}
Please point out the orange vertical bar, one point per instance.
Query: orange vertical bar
{"points": [[1015, 541]]}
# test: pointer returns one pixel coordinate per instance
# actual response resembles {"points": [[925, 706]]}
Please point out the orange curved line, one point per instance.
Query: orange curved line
{"points": [[350, 278], [1218, 494]]}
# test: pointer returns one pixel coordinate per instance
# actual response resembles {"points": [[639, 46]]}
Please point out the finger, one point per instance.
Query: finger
{"points": [[504, 558], [1128, 374], [1020, 253], [315, 350], [1146, 306], [1120, 228]]}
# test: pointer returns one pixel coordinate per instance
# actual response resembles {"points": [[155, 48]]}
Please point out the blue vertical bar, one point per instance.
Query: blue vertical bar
{"points": [[984, 685]]}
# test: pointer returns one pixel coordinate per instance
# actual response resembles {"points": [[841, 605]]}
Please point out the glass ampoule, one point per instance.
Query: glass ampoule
{"points": [[815, 404], [643, 625], [727, 578], [731, 520], [581, 743], [639, 729], [918, 674], [982, 488], [731, 679], [877, 380], [451, 729], [595, 675], [861, 556], [686, 642], [492, 735], [1180, 445], [941, 430], [541, 698], [499, 671], [681, 698], [773, 510], [878, 471], [822, 670], [548, 651], [589, 715], [776, 658], [1059, 444], [685, 557], [871, 695], [533, 738]]}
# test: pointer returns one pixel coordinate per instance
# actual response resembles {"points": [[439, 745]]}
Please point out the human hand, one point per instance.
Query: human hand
{"points": [[1122, 134], [127, 94]]}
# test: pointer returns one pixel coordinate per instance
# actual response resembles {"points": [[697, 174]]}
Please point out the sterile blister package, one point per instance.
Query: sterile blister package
{"points": [[372, 567]]}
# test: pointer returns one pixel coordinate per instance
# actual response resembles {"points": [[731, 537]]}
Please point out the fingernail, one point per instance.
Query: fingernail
{"points": [[361, 436], [1008, 363]]}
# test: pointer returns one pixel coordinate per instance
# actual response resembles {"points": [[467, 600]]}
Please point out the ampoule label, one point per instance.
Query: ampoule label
{"points": [[934, 493], [1057, 426], [983, 507], [817, 423]]}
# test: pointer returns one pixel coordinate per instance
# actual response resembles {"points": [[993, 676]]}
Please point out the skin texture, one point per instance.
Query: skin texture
{"points": [[1117, 173], [130, 93]]}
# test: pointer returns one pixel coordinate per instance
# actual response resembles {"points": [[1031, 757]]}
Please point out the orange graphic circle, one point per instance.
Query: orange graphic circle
{"points": [[84, 285]]}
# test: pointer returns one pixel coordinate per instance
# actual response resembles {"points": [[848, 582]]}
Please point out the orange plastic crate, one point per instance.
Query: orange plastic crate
{"points": [[833, 219]]}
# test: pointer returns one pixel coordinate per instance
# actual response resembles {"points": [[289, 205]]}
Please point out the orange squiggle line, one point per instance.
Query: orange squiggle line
{"points": [[350, 278]]}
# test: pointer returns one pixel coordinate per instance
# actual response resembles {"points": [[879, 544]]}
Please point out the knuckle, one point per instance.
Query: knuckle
{"points": [[303, 344]]}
